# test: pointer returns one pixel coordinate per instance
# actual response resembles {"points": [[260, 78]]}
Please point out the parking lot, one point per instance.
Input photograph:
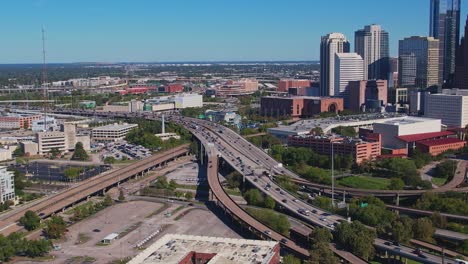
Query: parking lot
{"points": [[123, 150], [187, 175], [120, 217], [46, 171]]}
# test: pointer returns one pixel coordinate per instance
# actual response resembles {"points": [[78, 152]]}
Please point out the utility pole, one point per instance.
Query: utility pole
{"points": [[332, 176], [44, 79]]}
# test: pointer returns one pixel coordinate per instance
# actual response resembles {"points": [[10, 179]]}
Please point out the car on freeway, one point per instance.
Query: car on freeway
{"points": [[268, 232], [284, 241], [397, 249], [282, 193], [284, 201], [294, 200], [96, 230]]}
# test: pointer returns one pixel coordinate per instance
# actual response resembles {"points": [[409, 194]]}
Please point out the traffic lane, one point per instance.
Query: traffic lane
{"points": [[408, 252]]}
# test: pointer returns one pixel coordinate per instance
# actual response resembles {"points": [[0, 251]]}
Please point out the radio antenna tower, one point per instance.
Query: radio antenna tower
{"points": [[44, 80]]}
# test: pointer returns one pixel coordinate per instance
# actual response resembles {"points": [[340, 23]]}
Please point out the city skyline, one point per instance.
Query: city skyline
{"points": [[203, 31]]}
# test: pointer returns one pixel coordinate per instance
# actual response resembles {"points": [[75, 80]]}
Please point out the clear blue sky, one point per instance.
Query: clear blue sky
{"points": [[194, 30]]}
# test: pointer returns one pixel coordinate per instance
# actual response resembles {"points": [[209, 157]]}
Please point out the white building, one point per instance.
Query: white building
{"points": [[63, 140], [407, 125], [451, 106], [330, 45], [40, 126], [173, 248], [348, 67], [7, 185], [111, 133], [179, 101]]}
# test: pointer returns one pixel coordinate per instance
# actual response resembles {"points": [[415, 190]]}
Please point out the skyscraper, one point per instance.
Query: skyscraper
{"points": [[461, 64], [330, 45], [348, 67], [407, 70], [426, 52], [445, 26], [371, 43]]}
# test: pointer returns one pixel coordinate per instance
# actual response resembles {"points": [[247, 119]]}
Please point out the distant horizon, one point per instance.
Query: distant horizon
{"points": [[193, 31], [167, 62]]}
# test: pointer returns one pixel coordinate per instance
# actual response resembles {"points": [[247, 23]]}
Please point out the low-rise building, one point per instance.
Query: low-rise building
{"points": [[29, 148], [451, 106], [7, 185], [5, 154], [359, 149], [112, 132], [238, 87], [439, 146], [182, 249], [285, 84], [299, 106], [392, 129], [16, 121], [51, 140], [47, 123]]}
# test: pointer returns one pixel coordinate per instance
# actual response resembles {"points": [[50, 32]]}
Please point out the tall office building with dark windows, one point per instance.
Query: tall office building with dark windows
{"points": [[461, 65], [424, 52], [445, 26], [371, 43]]}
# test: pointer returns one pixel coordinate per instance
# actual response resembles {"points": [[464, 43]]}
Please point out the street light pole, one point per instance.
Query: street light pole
{"points": [[332, 176]]}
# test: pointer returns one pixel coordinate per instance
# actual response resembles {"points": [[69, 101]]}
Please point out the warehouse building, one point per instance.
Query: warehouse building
{"points": [[182, 249]]}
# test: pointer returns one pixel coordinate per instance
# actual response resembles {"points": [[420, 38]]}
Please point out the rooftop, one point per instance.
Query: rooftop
{"points": [[115, 126], [424, 136], [439, 142], [172, 248], [407, 120], [305, 125]]}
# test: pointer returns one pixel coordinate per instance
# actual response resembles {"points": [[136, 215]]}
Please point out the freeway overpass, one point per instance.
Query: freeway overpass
{"points": [[246, 159], [95, 185]]}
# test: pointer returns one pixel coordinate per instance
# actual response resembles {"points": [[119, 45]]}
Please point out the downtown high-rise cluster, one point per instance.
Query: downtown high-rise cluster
{"points": [[432, 62]]}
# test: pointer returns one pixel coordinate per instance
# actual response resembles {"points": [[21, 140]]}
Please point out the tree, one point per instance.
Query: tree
{"points": [[321, 253], [423, 229], [188, 196], [6, 249], [121, 195], [317, 131], [18, 152], [107, 201], [30, 220], [80, 152], [109, 160], [402, 229], [356, 238], [37, 248], [54, 152], [72, 173], [439, 220], [291, 259], [269, 202], [396, 184], [345, 131], [445, 169], [254, 197], [234, 179], [55, 227]]}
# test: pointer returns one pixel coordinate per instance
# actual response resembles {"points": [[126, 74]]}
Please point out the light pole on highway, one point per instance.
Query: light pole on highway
{"points": [[332, 175]]}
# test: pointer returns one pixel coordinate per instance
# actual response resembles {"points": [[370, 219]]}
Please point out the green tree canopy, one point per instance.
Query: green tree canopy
{"points": [[80, 152], [55, 227], [30, 220]]}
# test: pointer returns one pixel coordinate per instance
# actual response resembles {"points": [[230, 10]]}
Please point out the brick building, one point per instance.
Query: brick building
{"points": [[285, 84], [439, 146], [359, 149], [299, 106], [362, 91], [14, 121], [173, 88]]}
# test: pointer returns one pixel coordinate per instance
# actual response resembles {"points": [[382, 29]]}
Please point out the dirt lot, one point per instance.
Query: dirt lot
{"points": [[82, 241]]}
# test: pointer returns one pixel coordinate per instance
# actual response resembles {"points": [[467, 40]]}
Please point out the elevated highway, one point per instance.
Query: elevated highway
{"points": [[248, 159], [95, 185]]}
